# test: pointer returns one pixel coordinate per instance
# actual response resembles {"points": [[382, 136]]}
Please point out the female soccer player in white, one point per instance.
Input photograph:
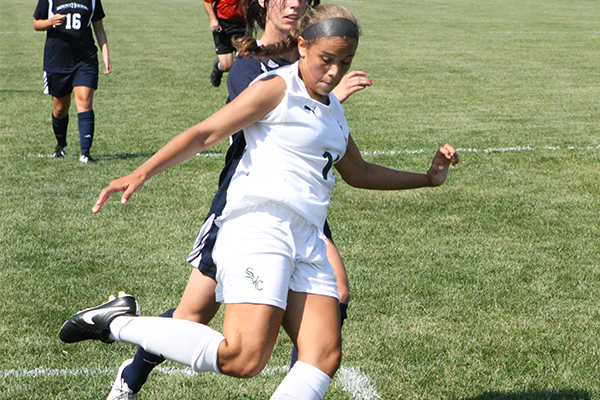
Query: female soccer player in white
{"points": [[277, 273], [275, 18]]}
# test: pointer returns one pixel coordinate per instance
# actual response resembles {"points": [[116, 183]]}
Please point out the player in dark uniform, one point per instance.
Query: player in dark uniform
{"points": [[71, 64], [226, 23]]}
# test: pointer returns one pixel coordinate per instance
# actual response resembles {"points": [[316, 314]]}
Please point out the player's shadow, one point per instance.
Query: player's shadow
{"points": [[124, 156], [566, 394]]}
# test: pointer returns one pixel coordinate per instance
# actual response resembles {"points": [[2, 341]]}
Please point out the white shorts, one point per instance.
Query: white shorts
{"points": [[263, 251]]}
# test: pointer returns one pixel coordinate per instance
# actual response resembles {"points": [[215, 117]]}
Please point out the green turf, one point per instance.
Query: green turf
{"points": [[483, 289]]}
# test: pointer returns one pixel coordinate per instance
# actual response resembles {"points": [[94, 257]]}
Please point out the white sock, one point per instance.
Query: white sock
{"points": [[303, 382], [185, 342]]}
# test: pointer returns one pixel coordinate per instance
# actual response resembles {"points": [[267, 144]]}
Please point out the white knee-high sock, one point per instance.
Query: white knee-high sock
{"points": [[303, 382], [185, 342]]}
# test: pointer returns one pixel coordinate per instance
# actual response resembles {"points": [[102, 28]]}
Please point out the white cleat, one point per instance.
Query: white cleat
{"points": [[120, 390]]}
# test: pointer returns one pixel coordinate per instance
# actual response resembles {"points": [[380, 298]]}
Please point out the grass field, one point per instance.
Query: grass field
{"points": [[484, 289]]}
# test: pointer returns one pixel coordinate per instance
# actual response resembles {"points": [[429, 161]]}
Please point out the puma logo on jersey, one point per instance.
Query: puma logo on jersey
{"points": [[312, 110]]}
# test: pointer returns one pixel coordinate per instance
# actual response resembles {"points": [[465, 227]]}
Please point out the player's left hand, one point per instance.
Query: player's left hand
{"points": [[438, 172], [351, 83], [106, 59], [107, 67]]}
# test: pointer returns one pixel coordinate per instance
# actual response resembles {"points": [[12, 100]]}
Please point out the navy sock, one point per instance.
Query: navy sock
{"points": [[86, 130], [343, 316], [136, 373], [343, 313], [60, 129], [294, 357]]}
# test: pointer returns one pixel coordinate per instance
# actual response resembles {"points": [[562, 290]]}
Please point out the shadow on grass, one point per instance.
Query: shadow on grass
{"points": [[207, 153], [568, 394], [120, 156], [21, 91], [124, 156]]}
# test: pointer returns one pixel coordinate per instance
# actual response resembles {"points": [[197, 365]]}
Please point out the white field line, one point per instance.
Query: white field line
{"points": [[488, 150], [392, 152], [352, 379], [357, 384], [41, 371]]}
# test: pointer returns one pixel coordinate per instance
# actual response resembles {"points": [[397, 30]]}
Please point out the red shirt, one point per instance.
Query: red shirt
{"points": [[229, 10]]}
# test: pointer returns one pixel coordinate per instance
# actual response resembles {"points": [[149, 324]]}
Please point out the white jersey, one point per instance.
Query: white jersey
{"points": [[290, 153]]}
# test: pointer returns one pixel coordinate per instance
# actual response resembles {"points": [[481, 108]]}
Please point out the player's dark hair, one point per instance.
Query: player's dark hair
{"points": [[314, 15], [256, 19]]}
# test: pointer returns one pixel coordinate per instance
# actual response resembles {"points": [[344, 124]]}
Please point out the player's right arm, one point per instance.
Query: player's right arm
{"points": [[45, 24], [250, 106], [212, 16]]}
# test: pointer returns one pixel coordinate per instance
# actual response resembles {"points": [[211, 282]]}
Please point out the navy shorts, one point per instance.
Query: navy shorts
{"points": [[223, 38], [60, 84]]}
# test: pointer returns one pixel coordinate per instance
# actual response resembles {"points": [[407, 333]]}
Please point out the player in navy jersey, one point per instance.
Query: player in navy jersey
{"points": [[71, 64], [271, 252]]}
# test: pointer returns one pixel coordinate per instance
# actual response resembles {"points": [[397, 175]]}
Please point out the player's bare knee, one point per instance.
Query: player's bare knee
{"points": [[327, 359], [226, 63], [84, 106], [189, 316], [344, 296], [242, 363], [60, 111], [331, 360], [335, 360], [244, 369]]}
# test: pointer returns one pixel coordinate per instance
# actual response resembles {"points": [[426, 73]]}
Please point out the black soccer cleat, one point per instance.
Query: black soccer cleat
{"points": [[59, 151], [216, 74], [94, 323]]}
